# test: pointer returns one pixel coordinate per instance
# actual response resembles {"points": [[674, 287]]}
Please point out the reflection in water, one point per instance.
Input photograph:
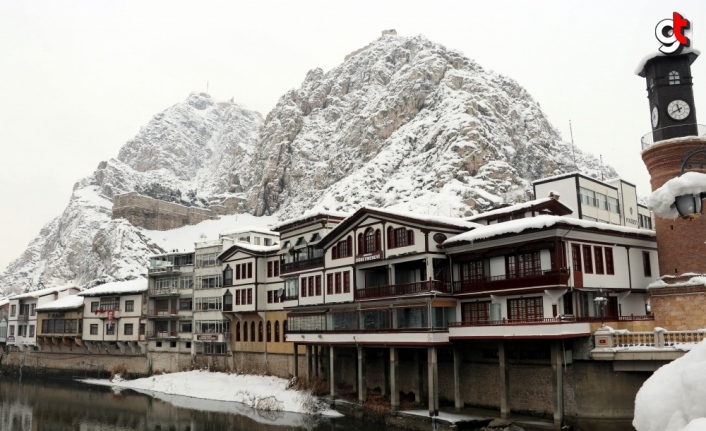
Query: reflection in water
{"points": [[61, 405]]}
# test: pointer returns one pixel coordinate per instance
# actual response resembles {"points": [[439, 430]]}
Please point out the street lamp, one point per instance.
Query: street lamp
{"points": [[601, 301]]}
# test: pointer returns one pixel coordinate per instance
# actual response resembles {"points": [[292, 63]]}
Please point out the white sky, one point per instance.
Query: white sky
{"points": [[79, 78]]}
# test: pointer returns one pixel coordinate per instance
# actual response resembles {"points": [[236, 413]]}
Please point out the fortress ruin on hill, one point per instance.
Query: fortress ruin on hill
{"points": [[154, 214]]}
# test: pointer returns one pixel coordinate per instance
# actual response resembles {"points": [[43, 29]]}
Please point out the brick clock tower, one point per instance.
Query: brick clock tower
{"points": [[675, 142]]}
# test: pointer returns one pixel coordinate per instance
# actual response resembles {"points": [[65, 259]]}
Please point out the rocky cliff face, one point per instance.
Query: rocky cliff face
{"points": [[197, 145], [411, 124], [403, 123]]}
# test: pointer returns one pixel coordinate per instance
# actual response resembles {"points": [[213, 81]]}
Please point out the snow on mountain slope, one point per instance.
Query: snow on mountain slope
{"points": [[197, 145], [411, 124]]}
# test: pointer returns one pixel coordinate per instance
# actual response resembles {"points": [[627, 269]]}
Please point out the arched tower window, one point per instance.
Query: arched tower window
{"points": [[259, 332], [369, 240], [252, 331], [269, 331], [276, 331], [245, 331], [237, 331], [284, 331], [674, 78]]}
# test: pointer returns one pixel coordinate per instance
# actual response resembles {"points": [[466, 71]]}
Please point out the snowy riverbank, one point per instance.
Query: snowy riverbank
{"points": [[263, 393]]}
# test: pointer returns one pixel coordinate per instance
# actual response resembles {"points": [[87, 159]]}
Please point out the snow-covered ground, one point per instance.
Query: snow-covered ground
{"points": [[674, 398], [228, 393]]}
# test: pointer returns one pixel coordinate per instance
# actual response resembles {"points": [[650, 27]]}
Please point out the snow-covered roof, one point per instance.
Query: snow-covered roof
{"points": [[311, 214], [118, 288], [699, 280], [539, 222], [661, 201], [47, 291], [250, 247], [66, 303], [576, 174], [249, 229], [4, 301], [516, 207], [640, 69], [454, 221]]}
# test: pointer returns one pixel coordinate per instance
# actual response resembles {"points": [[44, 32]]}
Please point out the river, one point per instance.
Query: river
{"points": [[63, 405]]}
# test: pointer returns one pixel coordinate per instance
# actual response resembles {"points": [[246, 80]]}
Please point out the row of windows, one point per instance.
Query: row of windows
{"points": [[206, 260], [273, 268], [518, 265], [25, 310], [21, 331], [111, 303], [599, 200], [251, 335], [208, 282], [339, 282], [644, 221], [600, 259], [517, 309], [342, 249], [61, 326], [242, 271], [128, 329], [310, 286]]}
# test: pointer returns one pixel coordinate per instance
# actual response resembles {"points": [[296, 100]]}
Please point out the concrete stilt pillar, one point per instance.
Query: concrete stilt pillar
{"points": [[418, 371], [433, 377], [504, 382], [308, 364], [331, 378], [557, 383], [362, 389], [458, 360], [394, 373], [385, 374], [295, 373]]}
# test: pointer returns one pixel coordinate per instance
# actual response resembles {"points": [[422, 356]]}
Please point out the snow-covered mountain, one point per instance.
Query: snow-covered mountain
{"points": [[403, 123], [407, 123], [196, 146]]}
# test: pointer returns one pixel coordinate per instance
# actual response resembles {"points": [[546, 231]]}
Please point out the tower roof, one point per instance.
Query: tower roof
{"points": [[642, 67]]}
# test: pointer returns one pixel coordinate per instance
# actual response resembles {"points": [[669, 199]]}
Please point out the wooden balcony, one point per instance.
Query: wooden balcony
{"points": [[302, 265], [553, 277], [394, 290]]}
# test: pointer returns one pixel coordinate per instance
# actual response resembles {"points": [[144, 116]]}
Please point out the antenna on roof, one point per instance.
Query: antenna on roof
{"points": [[573, 147]]}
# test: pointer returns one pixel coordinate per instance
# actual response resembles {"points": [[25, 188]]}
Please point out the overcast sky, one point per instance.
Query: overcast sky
{"points": [[79, 78]]}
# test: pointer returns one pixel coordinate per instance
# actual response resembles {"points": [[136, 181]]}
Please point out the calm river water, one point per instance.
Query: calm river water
{"points": [[62, 405]]}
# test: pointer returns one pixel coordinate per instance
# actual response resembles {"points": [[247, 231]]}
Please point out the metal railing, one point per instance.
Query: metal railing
{"points": [[164, 291], [167, 269], [403, 289], [670, 132], [162, 334], [552, 277], [549, 320], [169, 312], [302, 265]]}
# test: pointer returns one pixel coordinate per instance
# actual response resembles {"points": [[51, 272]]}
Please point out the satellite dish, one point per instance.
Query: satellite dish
{"points": [[439, 237], [280, 292]]}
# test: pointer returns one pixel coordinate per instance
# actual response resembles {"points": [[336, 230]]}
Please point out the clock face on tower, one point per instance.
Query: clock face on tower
{"points": [[655, 117], [678, 109]]}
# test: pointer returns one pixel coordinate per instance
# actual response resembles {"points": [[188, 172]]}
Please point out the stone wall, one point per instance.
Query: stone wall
{"points": [[154, 214]]}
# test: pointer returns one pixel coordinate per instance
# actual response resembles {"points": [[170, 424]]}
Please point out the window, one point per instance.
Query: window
{"points": [[522, 265], [185, 304], [598, 255], [674, 78], [270, 268], [342, 249], [268, 242], [209, 304], [302, 283], [186, 282], [338, 282], [256, 240], [318, 285], [13, 310], [269, 331], [259, 332], [12, 330], [24, 310], [276, 331], [601, 201], [185, 326], [310, 285], [609, 267], [587, 262], [228, 301], [613, 205], [127, 329], [588, 197], [399, 237], [576, 257], [237, 331], [346, 282], [276, 268], [110, 329], [329, 284], [646, 265], [32, 311], [369, 242], [31, 330], [208, 282], [130, 305], [475, 311], [525, 308], [94, 329], [471, 271], [206, 260], [228, 276], [110, 303], [212, 326]]}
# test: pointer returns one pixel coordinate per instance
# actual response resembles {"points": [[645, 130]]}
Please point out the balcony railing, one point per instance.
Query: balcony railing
{"points": [[162, 334], [167, 269], [553, 277], [164, 291], [657, 338], [302, 265], [670, 132], [169, 312], [23, 317], [549, 320], [403, 289]]}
